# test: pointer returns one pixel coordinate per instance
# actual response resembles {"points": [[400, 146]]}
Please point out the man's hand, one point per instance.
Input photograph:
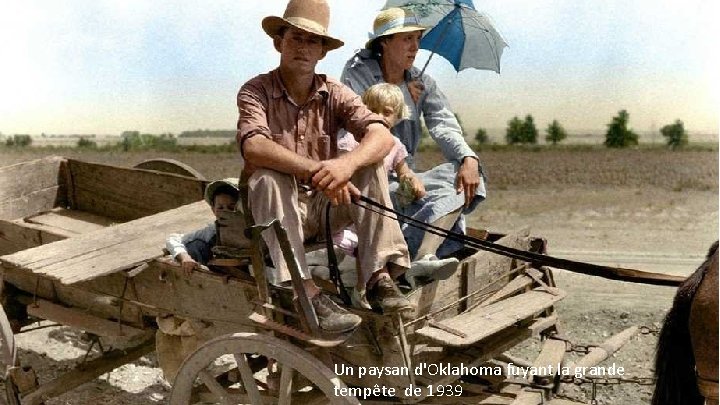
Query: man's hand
{"points": [[343, 195], [416, 88], [468, 179], [311, 169], [332, 174]]}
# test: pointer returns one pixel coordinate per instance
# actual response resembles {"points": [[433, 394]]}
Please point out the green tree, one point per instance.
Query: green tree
{"points": [[481, 137], [675, 134], [618, 135], [19, 140], [514, 131], [529, 131], [86, 143], [555, 133]]}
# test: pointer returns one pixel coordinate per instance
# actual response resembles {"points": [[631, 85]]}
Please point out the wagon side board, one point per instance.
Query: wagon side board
{"points": [[31, 187], [159, 289], [125, 194], [475, 272]]}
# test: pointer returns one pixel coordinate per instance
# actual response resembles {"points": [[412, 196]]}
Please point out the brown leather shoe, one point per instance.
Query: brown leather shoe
{"points": [[331, 317], [386, 294]]}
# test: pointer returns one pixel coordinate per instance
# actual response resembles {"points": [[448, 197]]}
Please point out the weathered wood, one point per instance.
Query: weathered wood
{"points": [[79, 319], [485, 321], [30, 187], [14, 237], [110, 249], [72, 221], [542, 324], [90, 370], [516, 285], [607, 348], [126, 194], [31, 202], [528, 397], [560, 401], [498, 343], [546, 364], [97, 297], [486, 267]]}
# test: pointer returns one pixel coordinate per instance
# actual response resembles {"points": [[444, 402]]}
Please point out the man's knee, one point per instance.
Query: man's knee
{"points": [[371, 174], [267, 180]]}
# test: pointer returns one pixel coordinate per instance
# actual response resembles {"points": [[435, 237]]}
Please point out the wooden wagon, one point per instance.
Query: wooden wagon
{"points": [[81, 245]]}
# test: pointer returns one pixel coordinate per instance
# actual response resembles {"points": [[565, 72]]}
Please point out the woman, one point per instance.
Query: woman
{"points": [[458, 185]]}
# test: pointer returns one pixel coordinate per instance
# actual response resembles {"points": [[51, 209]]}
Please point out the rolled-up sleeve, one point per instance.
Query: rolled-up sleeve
{"points": [[252, 103], [442, 124]]}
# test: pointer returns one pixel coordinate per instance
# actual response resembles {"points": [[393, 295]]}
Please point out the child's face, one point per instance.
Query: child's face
{"points": [[391, 116], [223, 202]]}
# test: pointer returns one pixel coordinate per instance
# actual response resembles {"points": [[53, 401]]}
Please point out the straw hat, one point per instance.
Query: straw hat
{"points": [[391, 21], [312, 16], [213, 187]]}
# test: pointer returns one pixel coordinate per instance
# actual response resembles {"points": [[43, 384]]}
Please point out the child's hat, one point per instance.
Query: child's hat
{"points": [[213, 187]]}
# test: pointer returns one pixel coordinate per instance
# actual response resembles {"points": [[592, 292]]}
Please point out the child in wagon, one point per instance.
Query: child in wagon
{"points": [[195, 248], [387, 100]]}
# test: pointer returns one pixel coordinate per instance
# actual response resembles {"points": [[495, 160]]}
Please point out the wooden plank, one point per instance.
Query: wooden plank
{"points": [[520, 283], [489, 266], [485, 321], [561, 401], [528, 397], [99, 302], [485, 266], [494, 345], [548, 361], [89, 371], [29, 187], [31, 202], [126, 194], [79, 319], [110, 249], [542, 324], [15, 236], [73, 221]]}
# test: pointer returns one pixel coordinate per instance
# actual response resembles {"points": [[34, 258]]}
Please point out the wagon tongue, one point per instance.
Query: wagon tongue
{"points": [[612, 273]]}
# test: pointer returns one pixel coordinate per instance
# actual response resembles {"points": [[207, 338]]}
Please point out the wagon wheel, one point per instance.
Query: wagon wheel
{"points": [[291, 361], [170, 166], [8, 358]]}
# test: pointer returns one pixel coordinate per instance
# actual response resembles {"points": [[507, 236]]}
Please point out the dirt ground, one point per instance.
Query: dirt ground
{"points": [[652, 210]]}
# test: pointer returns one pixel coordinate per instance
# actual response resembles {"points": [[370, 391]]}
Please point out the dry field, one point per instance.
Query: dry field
{"points": [[650, 209]]}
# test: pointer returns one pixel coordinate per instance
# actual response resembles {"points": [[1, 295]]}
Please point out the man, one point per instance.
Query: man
{"points": [[287, 130]]}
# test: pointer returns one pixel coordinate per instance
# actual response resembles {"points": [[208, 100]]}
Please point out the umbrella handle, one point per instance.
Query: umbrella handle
{"points": [[439, 41]]}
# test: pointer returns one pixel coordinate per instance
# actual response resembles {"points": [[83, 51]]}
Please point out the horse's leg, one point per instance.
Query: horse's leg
{"points": [[704, 332]]}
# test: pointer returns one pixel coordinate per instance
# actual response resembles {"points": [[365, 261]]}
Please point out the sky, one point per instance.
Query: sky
{"points": [[107, 66]]}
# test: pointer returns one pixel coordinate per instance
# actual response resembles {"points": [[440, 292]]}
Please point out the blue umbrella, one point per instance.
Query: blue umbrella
{"points": [[458, 32]]}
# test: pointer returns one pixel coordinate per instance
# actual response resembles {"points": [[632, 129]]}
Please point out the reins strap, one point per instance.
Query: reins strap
{"points": [[332, 260], [613, 273]]}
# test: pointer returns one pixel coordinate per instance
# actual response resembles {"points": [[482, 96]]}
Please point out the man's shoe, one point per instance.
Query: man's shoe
{"points": [[331, 317], [389, 297]]}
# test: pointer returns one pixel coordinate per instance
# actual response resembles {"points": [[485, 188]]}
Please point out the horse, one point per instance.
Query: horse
{"points": [[686, 362]]}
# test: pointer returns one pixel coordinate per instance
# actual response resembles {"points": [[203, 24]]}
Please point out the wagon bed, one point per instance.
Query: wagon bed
{"points": [[80, 245]]}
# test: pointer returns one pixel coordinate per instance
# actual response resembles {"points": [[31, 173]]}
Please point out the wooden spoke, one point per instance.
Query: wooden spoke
{"points": [[285, 390], [248, 379], [293, 364], [214, 387]]}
